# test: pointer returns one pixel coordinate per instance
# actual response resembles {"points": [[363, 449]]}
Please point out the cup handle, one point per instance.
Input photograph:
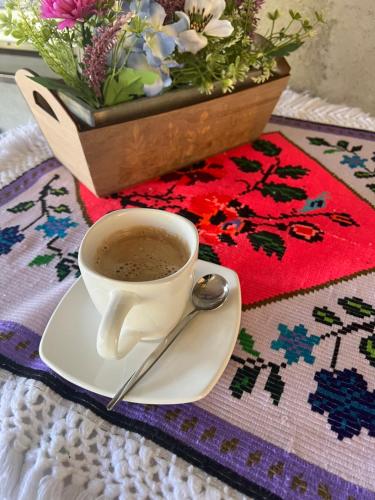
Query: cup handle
{"points": [[112, 327]]}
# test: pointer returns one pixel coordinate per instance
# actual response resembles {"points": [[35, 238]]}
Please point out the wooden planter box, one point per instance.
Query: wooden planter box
{"points": [[109, 157]]}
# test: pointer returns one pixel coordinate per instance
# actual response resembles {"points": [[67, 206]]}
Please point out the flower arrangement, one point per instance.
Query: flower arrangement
{"points": [[108, 52]]}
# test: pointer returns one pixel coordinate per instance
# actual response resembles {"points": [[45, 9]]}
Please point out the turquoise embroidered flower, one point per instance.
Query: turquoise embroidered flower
{"points": [[353, 161], [296, 344], [9, 236], [56, 226]]}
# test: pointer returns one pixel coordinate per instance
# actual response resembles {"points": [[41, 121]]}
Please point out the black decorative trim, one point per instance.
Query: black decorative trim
{"points": [[155, 434]]}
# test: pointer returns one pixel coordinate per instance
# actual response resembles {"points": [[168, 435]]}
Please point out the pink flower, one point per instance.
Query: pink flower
{"points": [[70, 11]]}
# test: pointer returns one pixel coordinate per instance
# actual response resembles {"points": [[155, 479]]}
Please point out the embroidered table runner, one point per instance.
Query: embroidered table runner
{"points": [[293, 415]]}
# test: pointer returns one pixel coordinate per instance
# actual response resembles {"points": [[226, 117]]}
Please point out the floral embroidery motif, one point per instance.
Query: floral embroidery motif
{"points": [[56, 226], [220, 218], [351, 158], [53, 228], [296, 343], [9, 236], [342, 394], [353, 161]]}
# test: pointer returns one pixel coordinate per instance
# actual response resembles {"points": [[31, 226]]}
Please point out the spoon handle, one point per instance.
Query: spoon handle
{"points": [[151, 359]]}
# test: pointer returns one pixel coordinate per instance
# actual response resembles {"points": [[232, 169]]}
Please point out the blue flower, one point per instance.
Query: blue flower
{"points": [[9, 236], [353, 161], [344, 396], [152, 50], [296, 344], [56, 227]]}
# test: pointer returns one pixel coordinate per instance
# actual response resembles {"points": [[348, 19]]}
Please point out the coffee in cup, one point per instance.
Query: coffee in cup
{"points": [[143, 253]]}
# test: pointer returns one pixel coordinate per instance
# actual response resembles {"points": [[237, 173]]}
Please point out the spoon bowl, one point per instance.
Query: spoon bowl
{"points": [[210, 292]]}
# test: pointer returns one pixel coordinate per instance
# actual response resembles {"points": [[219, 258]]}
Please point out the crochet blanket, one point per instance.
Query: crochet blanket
{"points": [[294, 413]]}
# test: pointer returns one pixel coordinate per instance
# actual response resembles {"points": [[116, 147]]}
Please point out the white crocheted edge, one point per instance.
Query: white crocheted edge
{"points": [[20, 397], [304, 107], [21, 148]]}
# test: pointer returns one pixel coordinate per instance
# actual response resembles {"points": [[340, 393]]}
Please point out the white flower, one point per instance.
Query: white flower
{"points": [[201, 18]]}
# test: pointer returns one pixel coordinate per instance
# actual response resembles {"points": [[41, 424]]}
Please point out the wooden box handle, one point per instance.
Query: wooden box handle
{"points": [[42, 102]]}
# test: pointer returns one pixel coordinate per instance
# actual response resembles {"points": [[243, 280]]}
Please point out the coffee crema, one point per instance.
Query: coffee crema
{"points": [[143, 253]]}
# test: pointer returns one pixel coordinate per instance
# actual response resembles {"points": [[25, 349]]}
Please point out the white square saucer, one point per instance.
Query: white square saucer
{"points": [[186, 372]]}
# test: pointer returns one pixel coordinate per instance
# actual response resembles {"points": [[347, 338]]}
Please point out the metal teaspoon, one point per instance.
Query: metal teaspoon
{"points": [[209, 292]]}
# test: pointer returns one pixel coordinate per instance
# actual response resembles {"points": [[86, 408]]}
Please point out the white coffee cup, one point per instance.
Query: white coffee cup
{"points": [[134, 311]]}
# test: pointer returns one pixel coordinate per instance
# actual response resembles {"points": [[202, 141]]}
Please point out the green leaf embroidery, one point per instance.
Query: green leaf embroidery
{"points": [[325, 316], [59, 192], [364, 175], [63, 270], [246, 165], [367, 347], [271, 243], [343, 144], [283, 192], [247, 343], [274, 385], [330, 151], [268, 148], [290, 171], [244, 380], [22, 207], [318, 141], [356, 307], [371, 186], [42, 260], [206, 252], [355, 149], [62, 208]]}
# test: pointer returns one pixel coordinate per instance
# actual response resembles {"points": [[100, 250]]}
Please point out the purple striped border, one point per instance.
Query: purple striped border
{"points": [[26, 180], [180, 428], [323, 127]]}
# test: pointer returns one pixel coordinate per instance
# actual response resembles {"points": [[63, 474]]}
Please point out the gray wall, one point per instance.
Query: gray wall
{"points": [[339, 63]]}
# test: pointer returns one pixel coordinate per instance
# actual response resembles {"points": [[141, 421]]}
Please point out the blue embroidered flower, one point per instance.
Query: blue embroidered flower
{"points": [[353, 161], [344, 396], [9, 236], [56, 226], [296, 344]]}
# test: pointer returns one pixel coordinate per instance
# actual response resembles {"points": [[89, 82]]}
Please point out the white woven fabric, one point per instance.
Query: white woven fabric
{"points": [[51, 448]]}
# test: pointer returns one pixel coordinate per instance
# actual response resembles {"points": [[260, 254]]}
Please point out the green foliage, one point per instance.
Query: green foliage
{"points": [[356, 307], [325, 316], [42, 260], [61, 209], [222, 64], [247, 343], [283, 192], [268, 148], [271, 243], [21, 207], [290, 171], [59, 191], [246, 165], [318, 141], [126, 85]]}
